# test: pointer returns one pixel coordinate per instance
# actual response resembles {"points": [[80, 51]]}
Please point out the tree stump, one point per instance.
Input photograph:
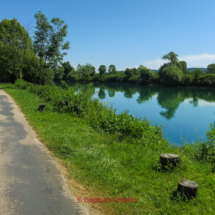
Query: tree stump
{"points": [[167, 159], [188, 188], [42, 107]]}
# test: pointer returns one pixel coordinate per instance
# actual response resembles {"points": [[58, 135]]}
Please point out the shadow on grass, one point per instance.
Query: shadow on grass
{"points": [[178, 197]]}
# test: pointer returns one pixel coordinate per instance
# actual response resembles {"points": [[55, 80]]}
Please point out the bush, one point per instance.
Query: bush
{"points": [[155, 77], [21, 84], [187, 79], [172, 76]]}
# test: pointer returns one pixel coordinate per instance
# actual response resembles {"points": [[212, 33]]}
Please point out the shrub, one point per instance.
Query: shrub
{"points": [[21, 84], [187, 79]]}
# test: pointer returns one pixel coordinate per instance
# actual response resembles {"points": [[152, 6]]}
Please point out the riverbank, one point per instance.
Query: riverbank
{"points": [[108, 167]]}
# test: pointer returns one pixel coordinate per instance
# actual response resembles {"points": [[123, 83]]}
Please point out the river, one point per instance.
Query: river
{"points": [[185, 113]]}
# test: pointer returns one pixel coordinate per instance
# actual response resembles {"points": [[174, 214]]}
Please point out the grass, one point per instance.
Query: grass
{"points": [[108, 167]]}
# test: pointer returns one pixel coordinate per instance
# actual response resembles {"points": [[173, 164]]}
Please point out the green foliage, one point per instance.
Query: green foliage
{"points": [[85, 71], [183, 66], [160, 73], [187, 80], [155, 77], [211, 68], [48, 43], [21, 84], [112, 69], [171, 76], [102, 70], [145, 74], [172, 57], [68, 69], [129, 72], [100, 117], [197, 73], [14, 41]]}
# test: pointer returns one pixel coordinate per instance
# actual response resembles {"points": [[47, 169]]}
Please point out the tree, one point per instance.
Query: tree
{"points": [[183, 66], [48, 43], [112, 69], [197, 73], [129, 72], [102, 70], [145, 73], [91, 69], [211, 68], [14, 41], [86, 71], [172, 57], [67, 69], [172, 76]]}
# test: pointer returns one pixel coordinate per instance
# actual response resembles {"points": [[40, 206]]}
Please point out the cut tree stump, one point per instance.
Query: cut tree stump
{"points": [[167, 159], [188, 188], [42, 107]]}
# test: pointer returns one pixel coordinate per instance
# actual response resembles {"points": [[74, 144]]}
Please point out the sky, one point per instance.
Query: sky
{"points": [[127, 33]]}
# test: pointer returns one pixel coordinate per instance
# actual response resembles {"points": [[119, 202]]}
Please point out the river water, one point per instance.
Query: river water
{"points": [[185, 113]]}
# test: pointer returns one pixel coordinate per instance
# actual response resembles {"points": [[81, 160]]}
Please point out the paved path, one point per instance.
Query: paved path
{"points": [[30, 182]]}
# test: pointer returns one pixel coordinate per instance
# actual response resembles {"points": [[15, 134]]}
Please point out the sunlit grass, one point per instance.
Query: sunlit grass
{"points": [[114, 168]]}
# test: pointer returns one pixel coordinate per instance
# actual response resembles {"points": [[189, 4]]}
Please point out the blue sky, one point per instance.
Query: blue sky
{"points": [[127, 33]]}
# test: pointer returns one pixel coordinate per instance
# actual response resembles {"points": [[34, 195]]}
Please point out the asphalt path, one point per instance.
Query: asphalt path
{"points": [[30, 181]]}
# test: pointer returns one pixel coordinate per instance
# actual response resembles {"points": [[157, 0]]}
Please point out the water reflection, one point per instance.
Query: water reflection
{"points": [[183, 111], [168, 98]]}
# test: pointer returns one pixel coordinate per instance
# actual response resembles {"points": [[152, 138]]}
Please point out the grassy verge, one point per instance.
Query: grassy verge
{"points": [[109, 167]]}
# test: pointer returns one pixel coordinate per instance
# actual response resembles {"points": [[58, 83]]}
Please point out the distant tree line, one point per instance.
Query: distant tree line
{"points": [[40, 60]]}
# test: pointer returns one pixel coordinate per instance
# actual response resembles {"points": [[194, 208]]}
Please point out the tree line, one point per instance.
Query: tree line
{"points": [[40, 60]]}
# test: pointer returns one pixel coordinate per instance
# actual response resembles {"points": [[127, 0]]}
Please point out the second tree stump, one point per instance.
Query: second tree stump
{"points": [[167, 159], [188, 188]]}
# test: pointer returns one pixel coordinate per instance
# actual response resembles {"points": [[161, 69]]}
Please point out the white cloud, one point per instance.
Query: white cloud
{"points": [[201, 61]]}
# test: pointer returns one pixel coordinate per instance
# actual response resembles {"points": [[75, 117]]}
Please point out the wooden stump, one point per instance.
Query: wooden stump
{"points": [[167, 159], [42, 107], [188, 188]]}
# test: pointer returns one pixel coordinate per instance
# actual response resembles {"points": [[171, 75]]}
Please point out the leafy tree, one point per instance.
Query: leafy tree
{"points": [[59, 73], [129, 72], [211, 68], [112, 69], [86, 71], [67, 69], [31, 67], [187, 79], [102, 70], [183, 66], [145, 73], [197, 73], [14, 41], [162, 68], [91, 69], [172, 76], [172, 57], [48, 43]]}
